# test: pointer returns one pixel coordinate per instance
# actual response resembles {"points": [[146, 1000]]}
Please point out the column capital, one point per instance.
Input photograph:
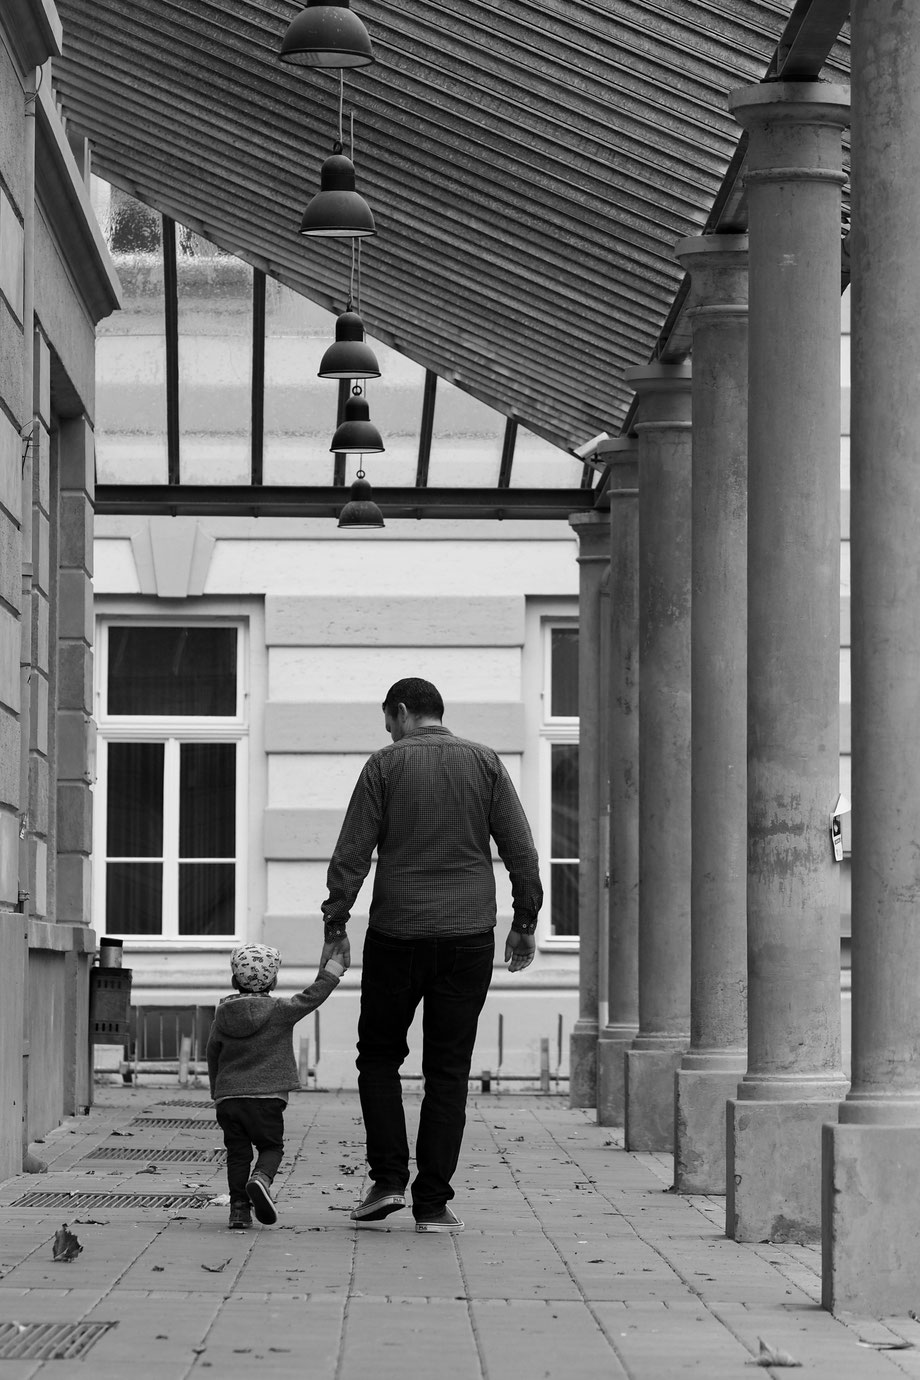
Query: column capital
{"points": [[664, 393], [622, 455], [593, 532], [718, 269], [791, 102]]}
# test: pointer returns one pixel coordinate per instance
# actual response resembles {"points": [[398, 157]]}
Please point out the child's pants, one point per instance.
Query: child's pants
{"points": [[248, 1122]]}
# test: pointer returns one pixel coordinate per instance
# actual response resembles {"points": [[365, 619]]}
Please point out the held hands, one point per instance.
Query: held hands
{"points": [[519, 950], [339, 949]]}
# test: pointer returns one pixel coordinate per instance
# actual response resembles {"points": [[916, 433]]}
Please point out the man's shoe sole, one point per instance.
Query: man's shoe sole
{"points": [[446, 1227], [380, 1208], [262, 1205]]}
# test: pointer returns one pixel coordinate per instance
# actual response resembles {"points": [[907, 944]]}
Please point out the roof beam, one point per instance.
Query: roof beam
{"points": [[211, 500]]}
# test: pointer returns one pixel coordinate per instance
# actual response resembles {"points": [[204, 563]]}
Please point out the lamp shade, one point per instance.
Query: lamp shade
{"points": [[349, 357], [357, 432], [337, 210], [327, 34], [361, 510]]}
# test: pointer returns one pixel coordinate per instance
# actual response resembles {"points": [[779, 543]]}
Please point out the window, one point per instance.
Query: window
{"points": [[560, 748], [172, 785]]}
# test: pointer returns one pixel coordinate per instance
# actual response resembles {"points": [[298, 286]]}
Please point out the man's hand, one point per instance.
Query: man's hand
{"points": [[339, 949], [519, 950]]}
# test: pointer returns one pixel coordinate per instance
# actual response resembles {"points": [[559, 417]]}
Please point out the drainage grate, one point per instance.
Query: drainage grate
{"points": [[176, 1156], [185, 1102], [176, 1123], [49, 1341], [111, 1200]]}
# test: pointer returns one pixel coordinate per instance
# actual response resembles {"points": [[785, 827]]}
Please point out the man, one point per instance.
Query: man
{"points": [[429, 803]]}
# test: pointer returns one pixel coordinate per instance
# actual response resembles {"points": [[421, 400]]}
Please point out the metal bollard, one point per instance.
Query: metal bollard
{"points": [[303, 1062], [185, 1053], [544, 1065]]}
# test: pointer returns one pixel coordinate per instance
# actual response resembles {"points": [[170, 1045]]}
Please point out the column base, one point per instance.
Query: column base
{"points": [[699, 1153], [773, 1170], [583, 1064], [871, 1219], [649, 1117], [612, 1044]]}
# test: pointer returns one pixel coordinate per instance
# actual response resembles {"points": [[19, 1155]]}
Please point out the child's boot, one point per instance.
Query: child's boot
{"points": [[258, 1188], [240, 1216]]}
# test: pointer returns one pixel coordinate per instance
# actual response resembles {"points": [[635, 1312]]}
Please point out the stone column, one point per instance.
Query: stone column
{"points": [[717, 1057], [622, 709], [593, 530], [871, 1239], [794, 1078], [663, 428]]}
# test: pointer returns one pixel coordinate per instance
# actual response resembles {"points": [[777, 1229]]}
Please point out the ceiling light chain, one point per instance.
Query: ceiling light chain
{"points": [[327, 34]]}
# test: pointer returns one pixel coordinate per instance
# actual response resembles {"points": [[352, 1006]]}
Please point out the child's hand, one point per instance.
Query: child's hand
{"points": [[338, 949]]}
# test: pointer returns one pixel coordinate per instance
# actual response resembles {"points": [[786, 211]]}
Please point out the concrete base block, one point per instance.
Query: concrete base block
{"points": [[611, 1077], [650, 1098], [699, 1157], [773, 1170], [871, 1219], [583, 1065]]}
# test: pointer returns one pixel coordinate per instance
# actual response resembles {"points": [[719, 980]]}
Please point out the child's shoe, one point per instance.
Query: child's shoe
{"points": [[240, 1216], [261, 1198]]}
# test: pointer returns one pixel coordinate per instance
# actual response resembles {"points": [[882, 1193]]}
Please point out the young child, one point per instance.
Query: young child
{"points": [[251, 1069]]}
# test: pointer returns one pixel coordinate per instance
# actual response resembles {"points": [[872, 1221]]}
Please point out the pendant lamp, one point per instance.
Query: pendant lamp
{"points": [[357, 432], [327, 34], [361, 510], [337, 211], [349, 357]]}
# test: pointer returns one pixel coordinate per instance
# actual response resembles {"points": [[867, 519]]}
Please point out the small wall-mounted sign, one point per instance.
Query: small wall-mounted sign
{"points": [[841, 808]]}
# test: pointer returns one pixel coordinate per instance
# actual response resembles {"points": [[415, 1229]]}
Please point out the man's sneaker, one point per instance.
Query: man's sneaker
{"points": [[379, 1203], [261, 1198], [445, 1220], [240, 1216]]}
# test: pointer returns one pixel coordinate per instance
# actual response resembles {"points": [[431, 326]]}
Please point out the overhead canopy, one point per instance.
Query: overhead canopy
{"points": [[530, 165]]}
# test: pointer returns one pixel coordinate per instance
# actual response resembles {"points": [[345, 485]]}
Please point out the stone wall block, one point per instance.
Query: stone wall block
{"points": [[75, 605], [74, 818], [39, 726], [9, 760], [75, 676], [75, 550], [74, 889], [9, 660], [10, 454]]}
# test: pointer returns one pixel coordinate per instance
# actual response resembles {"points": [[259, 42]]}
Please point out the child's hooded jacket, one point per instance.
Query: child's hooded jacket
{"points": [[250, 1047]]}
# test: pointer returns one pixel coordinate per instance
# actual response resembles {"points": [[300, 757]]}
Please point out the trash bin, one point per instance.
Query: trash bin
{"points": [[109, 1002]]}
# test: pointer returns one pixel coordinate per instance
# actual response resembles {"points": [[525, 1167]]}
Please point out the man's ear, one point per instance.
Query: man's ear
{"points": [[402, 712]]}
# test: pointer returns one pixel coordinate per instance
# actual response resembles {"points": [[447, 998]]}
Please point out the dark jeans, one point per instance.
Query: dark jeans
{"points": [[451, 978], [248, 1122]]}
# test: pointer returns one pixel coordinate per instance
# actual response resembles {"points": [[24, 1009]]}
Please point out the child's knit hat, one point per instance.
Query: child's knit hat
{"points": [[255, 966]]}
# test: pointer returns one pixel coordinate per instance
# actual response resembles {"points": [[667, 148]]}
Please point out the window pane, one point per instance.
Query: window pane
{"points": [[215, 362], [564, 673], [207, 800], [181, 671], [564, 903], [134, 898], [564, 834], [134, 800], [207, 894], [466, 442], [130, 433]]}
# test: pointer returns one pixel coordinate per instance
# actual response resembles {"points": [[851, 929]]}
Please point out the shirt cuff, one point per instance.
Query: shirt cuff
{"points": [[334, 929], [523, 926]]}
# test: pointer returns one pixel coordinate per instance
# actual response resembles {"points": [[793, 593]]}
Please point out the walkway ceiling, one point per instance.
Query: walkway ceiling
{"points": [[530, 164]]}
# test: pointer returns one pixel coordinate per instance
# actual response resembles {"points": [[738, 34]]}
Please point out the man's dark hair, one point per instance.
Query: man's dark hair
{"points": [[419, 696]]}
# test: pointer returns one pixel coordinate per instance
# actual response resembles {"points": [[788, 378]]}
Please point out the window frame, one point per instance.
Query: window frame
{"points": [[172, 731], [554, 729]]}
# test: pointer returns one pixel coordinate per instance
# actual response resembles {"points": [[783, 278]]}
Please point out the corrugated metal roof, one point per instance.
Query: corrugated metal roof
{"points": [[530, 164]]}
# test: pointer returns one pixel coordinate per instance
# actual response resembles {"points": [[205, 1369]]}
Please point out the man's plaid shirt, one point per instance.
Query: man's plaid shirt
{"points": [[429, 804]]}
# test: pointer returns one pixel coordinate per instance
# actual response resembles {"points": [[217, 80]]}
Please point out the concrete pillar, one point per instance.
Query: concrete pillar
{"points": [[622, 710], [794, 1077], [717, 1057], [871, 1240], [663, 428], [593, 531]]}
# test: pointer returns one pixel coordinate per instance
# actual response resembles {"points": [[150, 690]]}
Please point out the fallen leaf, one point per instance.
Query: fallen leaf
{"points": [[90, 1222], [151, 1169], [66, 1247], [216, 1269], [773, 1356]]}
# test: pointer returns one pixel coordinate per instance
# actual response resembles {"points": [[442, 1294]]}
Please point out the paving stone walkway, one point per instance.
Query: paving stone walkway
{"points": [[577, 1261]]}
